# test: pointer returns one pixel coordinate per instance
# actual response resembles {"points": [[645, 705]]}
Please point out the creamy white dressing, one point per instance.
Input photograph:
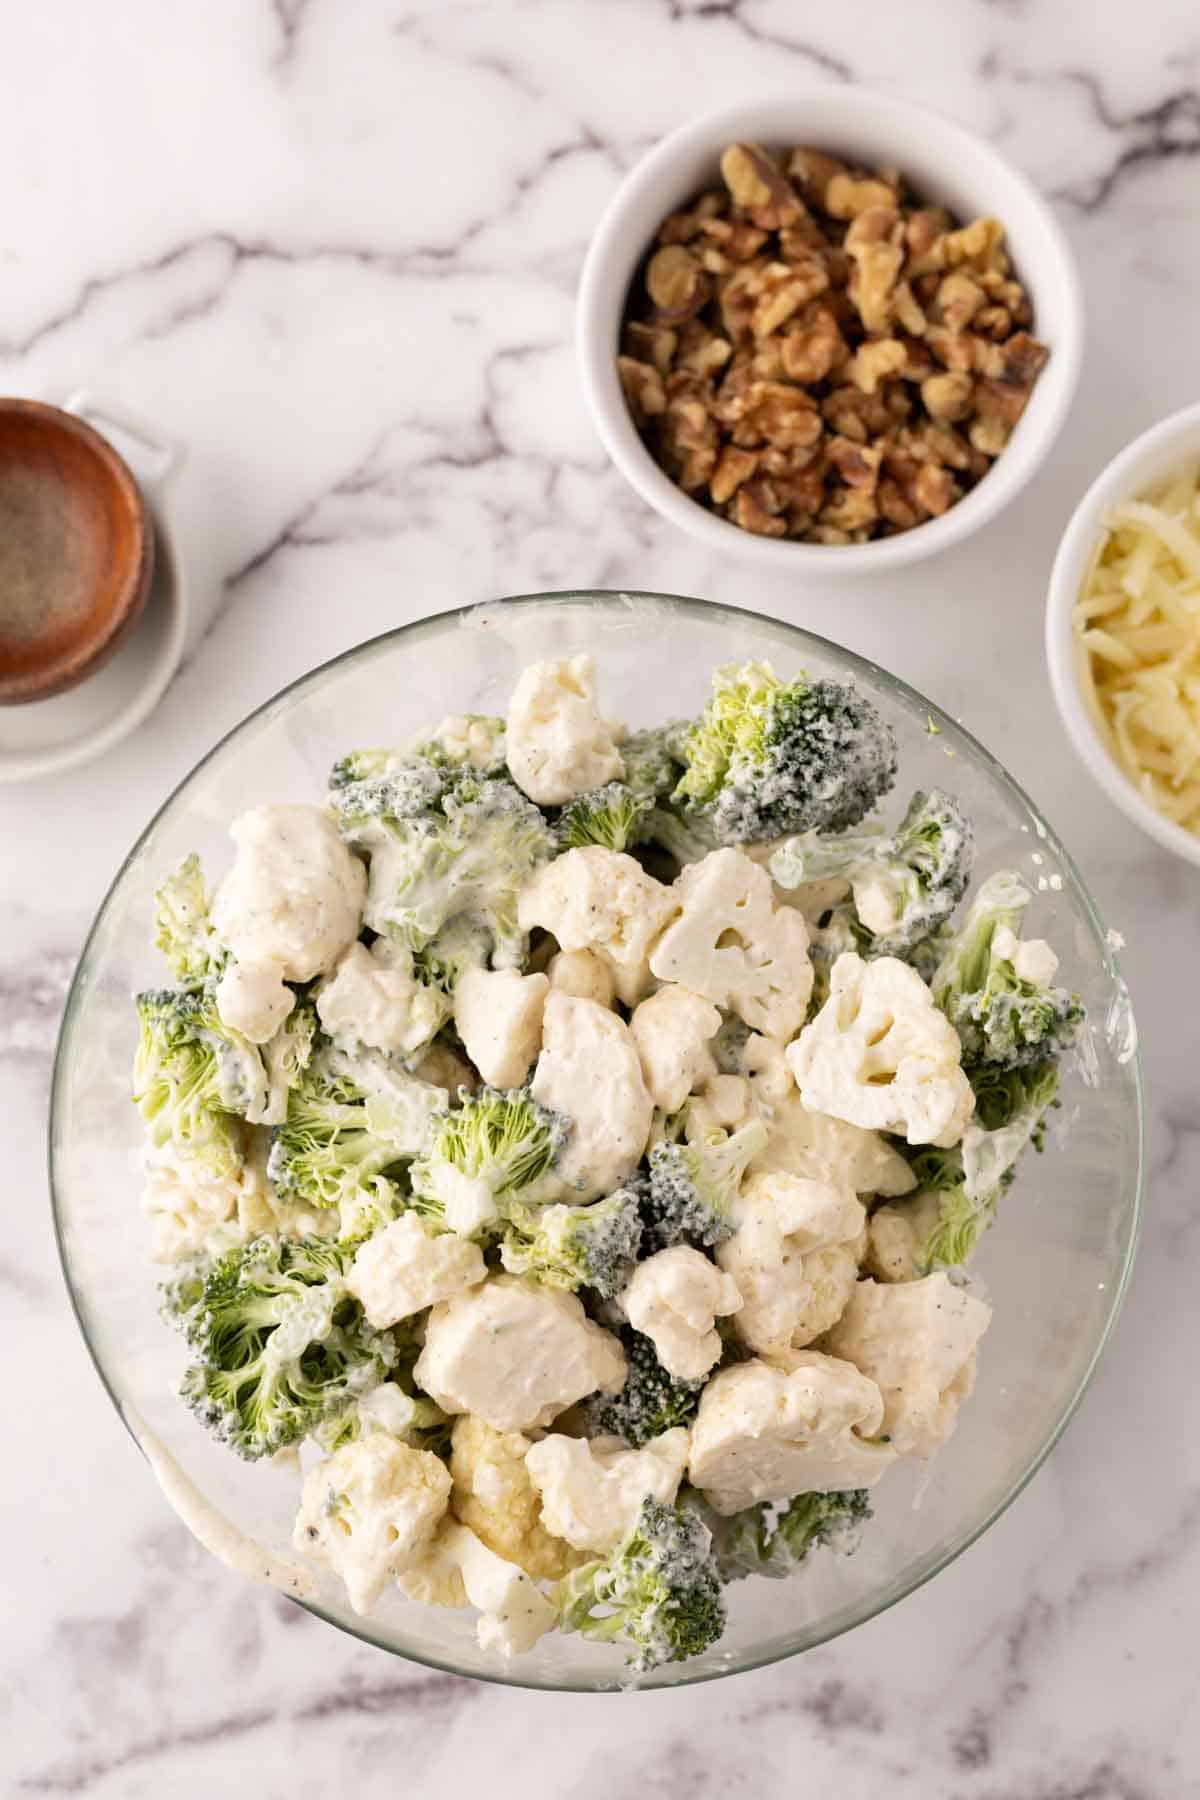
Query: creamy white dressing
{"points": [[219, 1536]]}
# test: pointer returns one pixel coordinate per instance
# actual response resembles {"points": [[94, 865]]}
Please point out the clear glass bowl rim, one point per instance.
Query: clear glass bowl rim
{"points": [[669, 605]]}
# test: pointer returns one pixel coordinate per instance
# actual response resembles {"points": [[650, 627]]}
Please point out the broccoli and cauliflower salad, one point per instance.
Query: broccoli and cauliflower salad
{"points": [[576, 1140]]}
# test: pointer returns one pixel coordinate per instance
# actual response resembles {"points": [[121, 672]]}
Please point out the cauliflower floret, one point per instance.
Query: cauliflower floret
{"points": [[672, 1030], [584, 974], [457, 1569], [185, 1202], [674, 1299], [916, 1340], [724, 1103], [816, 1144], [498, 1015], [515, 1353], [494, 1495], [895, 1234], [1032, 958], [373, 998], [589, 1071], [734, 946], [294, 896], [794, 1257], [603, 901], [558, 745], [763, 1062], [880, 1054], [592, 1491], [405, 1267], [252, 999], [471, 740], [368, 1508], [768, 1434]]}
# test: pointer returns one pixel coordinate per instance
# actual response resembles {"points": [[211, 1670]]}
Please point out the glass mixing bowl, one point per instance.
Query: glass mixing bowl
{"points": [[1055, 1265]]}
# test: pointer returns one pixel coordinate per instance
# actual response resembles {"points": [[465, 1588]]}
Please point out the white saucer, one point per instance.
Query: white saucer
{"points": [[45, 736]]}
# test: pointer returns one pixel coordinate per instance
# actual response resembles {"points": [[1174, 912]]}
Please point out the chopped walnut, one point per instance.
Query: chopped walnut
{"points": [[760, 188], [783, 291], [676, 283], [815, 355], [857, 464], [852, 510], [958, 300], [947, 396], [954, 349], [995, 322], [812, 171], [699, 352], [933, 488], [908, 309], [682, 227], [980, 243], [847, 197], [757, 507], [874, 361], [737, 241], [643, 388], [989, 435], [733, 467], [651, 343], [922, 231], [874, 245], [812, 346]]}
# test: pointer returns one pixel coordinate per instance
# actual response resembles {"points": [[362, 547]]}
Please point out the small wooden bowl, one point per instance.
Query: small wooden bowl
{"points": [[76, 551]]}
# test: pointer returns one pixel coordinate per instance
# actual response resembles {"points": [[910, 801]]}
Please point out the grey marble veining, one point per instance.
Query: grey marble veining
{"points": [[333, 250]]}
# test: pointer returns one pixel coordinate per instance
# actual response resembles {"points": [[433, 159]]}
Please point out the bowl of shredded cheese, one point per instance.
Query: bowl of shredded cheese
{"points": [[1123, 631]]}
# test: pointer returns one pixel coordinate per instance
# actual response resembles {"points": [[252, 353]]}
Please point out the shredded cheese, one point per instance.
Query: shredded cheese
{"points": [[1137, 629]]}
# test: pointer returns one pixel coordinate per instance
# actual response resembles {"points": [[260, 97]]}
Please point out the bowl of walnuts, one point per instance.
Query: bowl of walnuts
{"points": [[831, 331]]}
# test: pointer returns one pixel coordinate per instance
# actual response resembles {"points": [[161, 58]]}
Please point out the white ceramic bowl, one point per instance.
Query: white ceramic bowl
{"points": [[1149, 459], [945, 163]]}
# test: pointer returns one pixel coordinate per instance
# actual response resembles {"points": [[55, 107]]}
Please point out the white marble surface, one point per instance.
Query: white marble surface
{"points": [[333, 249]]}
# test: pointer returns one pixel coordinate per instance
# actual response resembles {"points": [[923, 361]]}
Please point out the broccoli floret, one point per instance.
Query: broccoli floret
{"points": [[392, 790], [1010, 1113], [658, 1591], [397, 1405], [651, 1402], [926, 954], [348, 1125], [482, 1154], [693, 1182], [654, 759], [193, 1078], [773, 1540], [464, 944], [470, 740], [280, 1344], [688, 837], [363, 765], [915, 876], [612, 816], [183, 928], [287, 1055], [467, 851], [575, 1246], [415, 1419], [767, 758], [1001, 1019], [814, 1521]]}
